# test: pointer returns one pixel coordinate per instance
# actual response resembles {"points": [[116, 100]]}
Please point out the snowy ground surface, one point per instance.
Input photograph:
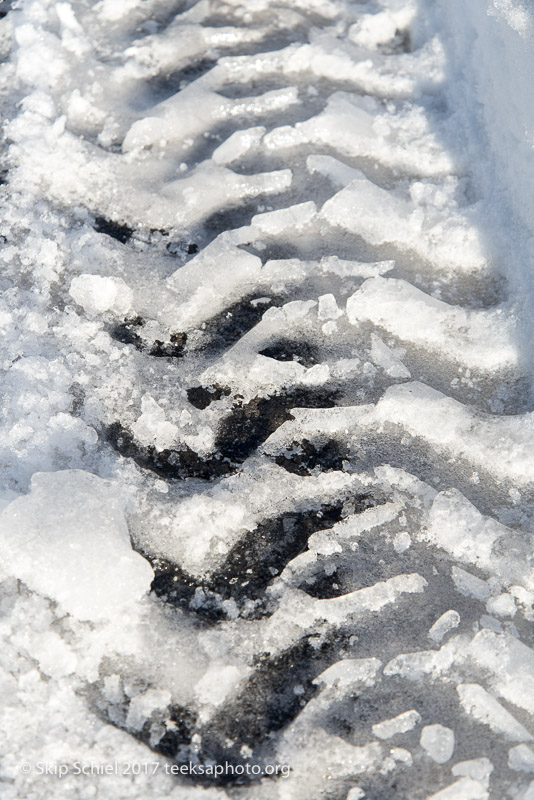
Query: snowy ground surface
{"points": [[267, 432]]}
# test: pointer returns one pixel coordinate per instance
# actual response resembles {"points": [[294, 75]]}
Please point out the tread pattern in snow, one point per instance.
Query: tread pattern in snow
{"points": [[294, 381]]}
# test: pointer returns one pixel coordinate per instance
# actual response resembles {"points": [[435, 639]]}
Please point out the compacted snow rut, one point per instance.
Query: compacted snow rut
{"points": [[253, 326]]}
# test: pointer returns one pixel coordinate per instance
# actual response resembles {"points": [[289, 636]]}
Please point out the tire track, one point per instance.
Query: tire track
{"points": [[300, 372]]}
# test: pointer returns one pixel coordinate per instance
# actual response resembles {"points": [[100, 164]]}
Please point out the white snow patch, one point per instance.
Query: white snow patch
{"points": [[97, 294], [69, 541]]}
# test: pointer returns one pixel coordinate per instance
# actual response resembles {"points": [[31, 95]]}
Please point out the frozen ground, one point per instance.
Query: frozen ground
{"points": [[267, 433]]}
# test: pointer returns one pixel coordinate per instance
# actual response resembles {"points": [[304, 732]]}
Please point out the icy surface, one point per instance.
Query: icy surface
{"points": [[266, 429]]}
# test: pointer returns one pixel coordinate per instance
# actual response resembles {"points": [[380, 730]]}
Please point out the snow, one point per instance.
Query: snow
{"points": [[494, 106], [475, 38], [453, 333], [355, 178], [437, 235], [68, 540], [97, 294]]}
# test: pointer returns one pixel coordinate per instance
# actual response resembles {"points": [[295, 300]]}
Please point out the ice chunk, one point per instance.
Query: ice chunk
{"points": [[521, 758], [217, 683], [350, 672], [459, 528], [485, 708], [355, 793], [503, 605], [275, 222], [381, 217], [438, 741], [469, 585], [143, 705], [238, 145], [204, 530], [97, 294], [512, 664], [328, 308], [402, 755], [332, 168], [211, 281], [384, 357], [449, 620], [423, 321], [399, 724], [353, 126], [479, 769], [69, 541], [379, 28], [152, 428], [401, 542], [463, 789]]}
